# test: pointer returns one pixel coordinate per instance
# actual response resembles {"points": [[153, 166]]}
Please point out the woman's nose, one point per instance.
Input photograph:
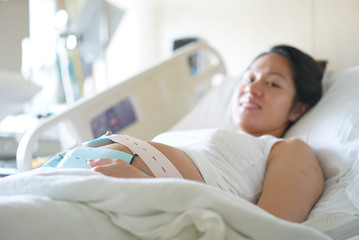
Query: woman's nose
{"points": [[254, 88]]}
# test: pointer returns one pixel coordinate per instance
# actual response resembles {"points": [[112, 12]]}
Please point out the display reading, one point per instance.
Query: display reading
{"points": [[114, 118]]}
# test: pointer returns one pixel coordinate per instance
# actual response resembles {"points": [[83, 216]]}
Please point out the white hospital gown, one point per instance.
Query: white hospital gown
{"points": [[232, 161]]}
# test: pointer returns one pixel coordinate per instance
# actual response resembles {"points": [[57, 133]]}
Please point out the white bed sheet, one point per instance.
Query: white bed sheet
{"points": [[81, 204]]}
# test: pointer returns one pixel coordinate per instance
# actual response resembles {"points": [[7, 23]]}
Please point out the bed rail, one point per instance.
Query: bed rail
{"points": [[142, 106]]}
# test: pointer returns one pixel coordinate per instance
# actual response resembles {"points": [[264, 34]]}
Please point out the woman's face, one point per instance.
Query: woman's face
{"points": [[263, 100]]}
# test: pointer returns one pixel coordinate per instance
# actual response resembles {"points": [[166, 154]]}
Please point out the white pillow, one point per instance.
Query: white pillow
{"points": [[331, 127], [213, 110]]}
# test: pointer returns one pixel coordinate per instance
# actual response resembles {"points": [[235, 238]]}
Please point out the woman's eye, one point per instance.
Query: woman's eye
{"points": [[272, 84], [249, 79]]}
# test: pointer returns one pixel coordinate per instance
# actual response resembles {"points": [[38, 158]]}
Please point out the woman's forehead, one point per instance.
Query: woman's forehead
{"points": [[271, 60], [274, 63]]}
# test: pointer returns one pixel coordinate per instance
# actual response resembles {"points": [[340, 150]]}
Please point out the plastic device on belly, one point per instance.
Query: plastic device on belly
{"points": [[77, 157]]}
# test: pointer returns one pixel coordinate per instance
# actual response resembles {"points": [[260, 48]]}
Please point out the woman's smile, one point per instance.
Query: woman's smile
{"points": [[248, 103]]}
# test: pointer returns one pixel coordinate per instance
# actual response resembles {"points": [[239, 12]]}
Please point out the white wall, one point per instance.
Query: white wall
{"points": [[337, 32], [134, 46], [14, 26], [238, 29]]}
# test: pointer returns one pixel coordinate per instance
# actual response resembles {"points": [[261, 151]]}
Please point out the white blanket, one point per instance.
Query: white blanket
{"points": [[80, 204]]}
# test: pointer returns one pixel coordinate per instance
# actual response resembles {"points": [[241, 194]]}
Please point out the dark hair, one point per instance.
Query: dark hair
{"points": [[307, 73]]}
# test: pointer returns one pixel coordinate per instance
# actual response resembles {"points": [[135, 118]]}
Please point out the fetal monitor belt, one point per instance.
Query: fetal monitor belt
{"points": [[156, 161]]}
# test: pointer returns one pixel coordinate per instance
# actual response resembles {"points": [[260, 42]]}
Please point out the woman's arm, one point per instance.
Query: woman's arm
{"points": [[293, 182]]}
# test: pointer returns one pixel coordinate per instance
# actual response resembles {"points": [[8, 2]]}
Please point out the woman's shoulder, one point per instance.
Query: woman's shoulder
{"points": [[293, 144], [295, 150]]}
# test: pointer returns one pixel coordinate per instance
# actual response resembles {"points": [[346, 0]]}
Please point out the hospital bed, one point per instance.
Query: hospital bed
{"points": [[143, 106], [178, 94]]}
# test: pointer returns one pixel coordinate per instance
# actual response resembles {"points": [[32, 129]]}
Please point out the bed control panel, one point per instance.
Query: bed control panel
{"points": [[338, 225], [114, 118]]}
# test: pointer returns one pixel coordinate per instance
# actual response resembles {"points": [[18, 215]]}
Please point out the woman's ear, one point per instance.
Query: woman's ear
{"points": [[298, 110]]}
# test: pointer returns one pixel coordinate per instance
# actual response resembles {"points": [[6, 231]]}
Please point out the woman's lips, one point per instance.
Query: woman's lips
{"points": [[249, 103]]}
